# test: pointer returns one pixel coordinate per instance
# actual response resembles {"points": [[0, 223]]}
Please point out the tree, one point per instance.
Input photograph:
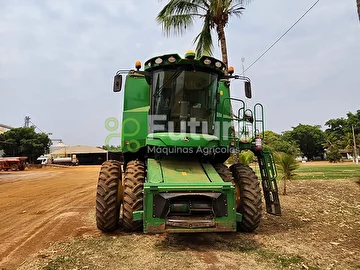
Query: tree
{"points": [[336, 132], [277, 143], [179, 15], [24, 142], [246, 157], [333, 154], [286, 164], [339, 133], [112, 148], [309, 138], [358, 7]]}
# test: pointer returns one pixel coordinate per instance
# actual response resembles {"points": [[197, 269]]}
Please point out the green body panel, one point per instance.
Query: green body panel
{"points": [[134, 129], [170, 170], [154, 172], [184, 172], [138, 215], [224, 104], [223, 115], [189, 176], [182, 139], [211, 173], [135, 115], [137, 92]]}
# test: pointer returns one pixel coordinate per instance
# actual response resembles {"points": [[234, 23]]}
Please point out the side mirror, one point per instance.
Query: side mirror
{"points": [[248, 90], [117, 83]]}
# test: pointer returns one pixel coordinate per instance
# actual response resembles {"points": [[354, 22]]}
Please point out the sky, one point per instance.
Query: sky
{"points": [[58, 59]]}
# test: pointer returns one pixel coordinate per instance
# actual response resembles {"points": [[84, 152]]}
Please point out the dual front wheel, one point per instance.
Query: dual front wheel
{"points": [[247, 191], [117, 197]]}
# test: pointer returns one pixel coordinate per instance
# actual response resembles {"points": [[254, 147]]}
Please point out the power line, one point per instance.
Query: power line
{"points": [[37, 127], [28, 121], [282, 35]]}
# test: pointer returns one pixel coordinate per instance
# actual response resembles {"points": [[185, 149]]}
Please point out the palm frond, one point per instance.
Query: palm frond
{"points": [[246, 157], [286, 164], [204, 40], [178, 7], [177, 24], [236, 10], [242, 2], [177, 16]]}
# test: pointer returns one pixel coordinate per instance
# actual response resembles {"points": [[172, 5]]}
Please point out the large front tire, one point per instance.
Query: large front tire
{"points": [[248, 199], [224, 172], [134, 179], [108, 196]]}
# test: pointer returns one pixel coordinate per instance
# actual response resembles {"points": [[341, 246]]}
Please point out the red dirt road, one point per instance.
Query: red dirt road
{"points": [[41, 206], [319, 229]]}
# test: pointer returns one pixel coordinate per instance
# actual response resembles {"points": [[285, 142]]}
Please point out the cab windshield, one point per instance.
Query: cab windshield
{"points": [[184, 101]]}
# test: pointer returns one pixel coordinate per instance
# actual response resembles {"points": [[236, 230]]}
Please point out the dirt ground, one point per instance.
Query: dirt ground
{"points": [[48, 222]]}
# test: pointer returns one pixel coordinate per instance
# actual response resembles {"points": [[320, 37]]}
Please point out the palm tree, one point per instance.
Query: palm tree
{"points": [[179, 15], [246, 157], [286, 164]]}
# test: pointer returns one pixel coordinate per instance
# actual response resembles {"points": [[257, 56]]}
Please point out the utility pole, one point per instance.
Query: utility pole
{"points": [[355, 150], [242, 63], [27, 121]]}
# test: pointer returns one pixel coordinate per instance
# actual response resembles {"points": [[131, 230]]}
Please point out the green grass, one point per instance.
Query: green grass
{"points": [[323, 172], [59, 262], [280, 259], [328, 172]]}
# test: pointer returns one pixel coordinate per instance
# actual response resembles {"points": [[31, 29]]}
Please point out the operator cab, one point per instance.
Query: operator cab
{"points": [[183, 100], [182, 95]]}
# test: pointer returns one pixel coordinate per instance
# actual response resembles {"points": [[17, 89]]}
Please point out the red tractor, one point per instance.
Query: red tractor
{"points": [[12, 163]]}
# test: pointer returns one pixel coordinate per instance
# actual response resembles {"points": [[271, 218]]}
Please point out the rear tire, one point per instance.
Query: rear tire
{"points": [[14, 167], [22, 167], [108, 200], [249, 205], [134, 179]]}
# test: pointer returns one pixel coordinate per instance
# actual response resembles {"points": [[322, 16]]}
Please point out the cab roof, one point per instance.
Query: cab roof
{"points": [[207, 63]]}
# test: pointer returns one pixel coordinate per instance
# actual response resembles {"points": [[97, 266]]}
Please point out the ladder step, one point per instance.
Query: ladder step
{"points": [[268, 176]]}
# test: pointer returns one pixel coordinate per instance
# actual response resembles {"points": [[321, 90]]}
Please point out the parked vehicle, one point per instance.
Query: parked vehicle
{"points": [[12, 163], [178, 129], [49, 159]]}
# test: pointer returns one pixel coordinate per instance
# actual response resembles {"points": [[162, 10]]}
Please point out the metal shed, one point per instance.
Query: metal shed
{"points": [[87, 155]]}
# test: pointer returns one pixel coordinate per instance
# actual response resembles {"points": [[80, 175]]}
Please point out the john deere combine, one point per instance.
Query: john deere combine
{"points": [[178, 129]]}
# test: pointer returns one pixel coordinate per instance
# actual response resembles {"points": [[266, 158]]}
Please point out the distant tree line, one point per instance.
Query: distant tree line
{"points": [[24, 141], [312, 142], [303, 140], [112, 148]]}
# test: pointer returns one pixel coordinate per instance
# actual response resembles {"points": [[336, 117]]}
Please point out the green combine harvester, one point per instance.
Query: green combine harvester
{"points": [[178, 129]]}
